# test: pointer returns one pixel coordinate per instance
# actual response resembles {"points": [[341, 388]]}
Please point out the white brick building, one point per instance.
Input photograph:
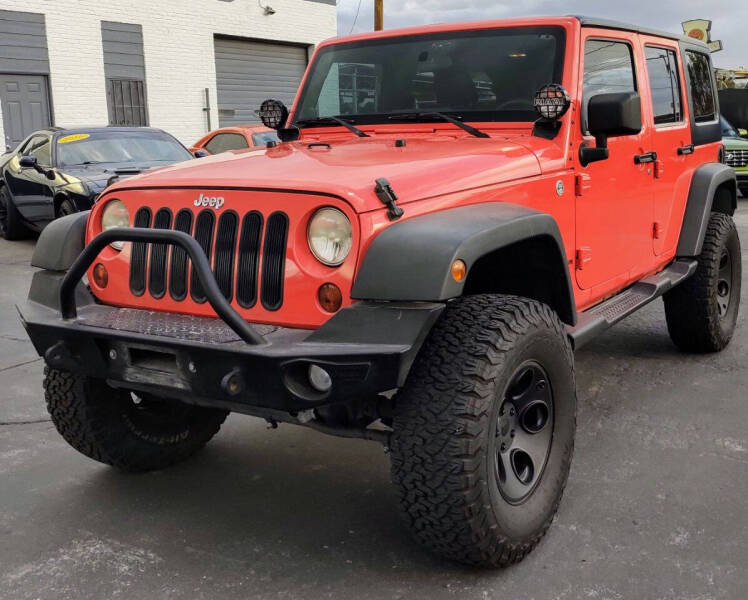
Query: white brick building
{"points": [[92, 62]]}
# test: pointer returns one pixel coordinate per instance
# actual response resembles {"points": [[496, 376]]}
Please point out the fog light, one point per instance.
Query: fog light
{"points": [[319, 378], [100, 275], [330, 298]]}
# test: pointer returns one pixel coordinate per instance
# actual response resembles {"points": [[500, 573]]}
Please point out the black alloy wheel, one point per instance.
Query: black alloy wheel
{"points": [[524, 432]]}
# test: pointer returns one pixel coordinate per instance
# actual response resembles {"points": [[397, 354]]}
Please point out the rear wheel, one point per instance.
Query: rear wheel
{"points": [[702, 312], [133, 432], [484, 430], [11, 227], [743, 190]]}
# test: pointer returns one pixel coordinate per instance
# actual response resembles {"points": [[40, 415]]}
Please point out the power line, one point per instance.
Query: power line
{"points": [[358, 10]]}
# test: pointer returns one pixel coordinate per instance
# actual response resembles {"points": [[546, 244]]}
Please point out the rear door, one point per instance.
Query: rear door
{"points": [[614, 212], [670, 139]]}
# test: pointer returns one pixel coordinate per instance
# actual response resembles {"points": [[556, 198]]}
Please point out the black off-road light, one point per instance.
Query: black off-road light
{"points": [[552, 101], [273, 113]]}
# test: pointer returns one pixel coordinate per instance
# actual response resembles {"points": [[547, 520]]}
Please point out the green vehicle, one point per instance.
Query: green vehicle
{"points": [[736, 153]]}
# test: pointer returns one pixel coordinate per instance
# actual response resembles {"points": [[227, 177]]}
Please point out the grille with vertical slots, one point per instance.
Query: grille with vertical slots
{"points": [[235, 247]]}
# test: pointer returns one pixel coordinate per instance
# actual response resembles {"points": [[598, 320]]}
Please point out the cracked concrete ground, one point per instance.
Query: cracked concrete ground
{"points": [[655, 507]]}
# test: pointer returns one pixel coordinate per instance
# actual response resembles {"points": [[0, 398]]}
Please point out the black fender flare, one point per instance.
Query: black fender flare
{"points": [[61, 242], [411, 260], [706, 180]]}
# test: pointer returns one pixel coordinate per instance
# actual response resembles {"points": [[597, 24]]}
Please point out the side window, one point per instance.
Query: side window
{"points": [[39, 147], [702, 89], [664, 85], [226, 141], [608, 68]]}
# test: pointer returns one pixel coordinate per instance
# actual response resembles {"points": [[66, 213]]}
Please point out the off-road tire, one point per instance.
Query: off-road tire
{"points": [[11, 226], [445, 430], [743, 190], [692, 309], [99, 422]]}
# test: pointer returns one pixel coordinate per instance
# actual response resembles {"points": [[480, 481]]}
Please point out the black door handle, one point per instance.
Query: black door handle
{"points": [[685, 150], [648, 157]]}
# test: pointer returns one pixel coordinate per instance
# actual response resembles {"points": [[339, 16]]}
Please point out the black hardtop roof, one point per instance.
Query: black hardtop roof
{"points": [[610, 24]]}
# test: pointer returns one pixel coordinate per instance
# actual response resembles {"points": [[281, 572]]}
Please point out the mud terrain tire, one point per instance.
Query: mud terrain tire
{"points": [[702, 312], [450, 418], [116, 428]]}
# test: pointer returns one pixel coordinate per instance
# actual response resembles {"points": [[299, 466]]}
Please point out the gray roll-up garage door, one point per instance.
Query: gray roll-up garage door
{"points": [[249, 72]]}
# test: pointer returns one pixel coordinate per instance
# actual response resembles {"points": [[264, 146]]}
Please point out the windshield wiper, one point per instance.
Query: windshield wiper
{"points": [[337, 120], [443, 117]]}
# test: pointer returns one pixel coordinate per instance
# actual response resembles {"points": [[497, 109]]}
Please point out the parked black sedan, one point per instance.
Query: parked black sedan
{"points": [[60, 171]]}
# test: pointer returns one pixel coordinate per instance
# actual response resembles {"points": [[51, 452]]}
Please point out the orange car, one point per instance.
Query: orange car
{"points": [[235, 138]]}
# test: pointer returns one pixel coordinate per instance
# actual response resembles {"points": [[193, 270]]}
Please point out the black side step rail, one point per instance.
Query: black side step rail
{"points": [[597, 319], [163, 236]]}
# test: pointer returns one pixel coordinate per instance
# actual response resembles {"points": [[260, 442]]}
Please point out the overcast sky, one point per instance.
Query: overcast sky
{"points": [[729, 17]]}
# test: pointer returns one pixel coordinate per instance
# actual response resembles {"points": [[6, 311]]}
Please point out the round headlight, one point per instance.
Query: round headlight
{"points": [[330, 236], [115, 215]]}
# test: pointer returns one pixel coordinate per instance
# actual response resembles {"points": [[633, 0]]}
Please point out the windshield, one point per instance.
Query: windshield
{"points": [[119, 147], [481, 75], [727, 129]]}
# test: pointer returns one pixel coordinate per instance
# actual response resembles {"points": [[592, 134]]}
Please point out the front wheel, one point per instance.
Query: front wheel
{"points": [[484, 430], [11, 227], [702, 311], [129, 431]]}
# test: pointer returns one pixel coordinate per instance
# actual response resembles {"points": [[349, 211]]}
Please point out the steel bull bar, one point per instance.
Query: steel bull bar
{"points": [[366, 348], [176, 238]]}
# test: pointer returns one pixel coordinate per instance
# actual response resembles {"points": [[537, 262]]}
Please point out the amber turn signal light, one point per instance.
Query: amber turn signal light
{"points": [[459, 270], [330, 298], [100, 275]]}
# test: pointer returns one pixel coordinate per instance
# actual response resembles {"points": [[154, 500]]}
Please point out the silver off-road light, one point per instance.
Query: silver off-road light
{"points": [[552, 101]]}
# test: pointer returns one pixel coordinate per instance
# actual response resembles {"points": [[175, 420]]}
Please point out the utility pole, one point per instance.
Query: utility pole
{"points": [[378, 15]]}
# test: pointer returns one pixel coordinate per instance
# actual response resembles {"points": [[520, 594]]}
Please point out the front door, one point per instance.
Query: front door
{"points": [[614, 208], [31, 190], [25, 106]]}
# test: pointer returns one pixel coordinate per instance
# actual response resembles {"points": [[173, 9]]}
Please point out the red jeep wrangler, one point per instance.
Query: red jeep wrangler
{"points": [[451, 211]]}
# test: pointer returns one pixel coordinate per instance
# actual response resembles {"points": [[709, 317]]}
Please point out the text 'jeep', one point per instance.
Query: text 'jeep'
{"points": [[451, 211]]}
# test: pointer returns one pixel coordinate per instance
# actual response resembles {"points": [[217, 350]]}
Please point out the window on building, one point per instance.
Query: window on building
{"points": [[223, 142], [126, 100], [124, 69], [702, 90], [608, 68], [664, 85]]}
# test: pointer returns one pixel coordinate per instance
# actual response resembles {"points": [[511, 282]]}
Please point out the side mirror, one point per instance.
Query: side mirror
{"points": [[610, 115], [28, 162], [200, 153]]}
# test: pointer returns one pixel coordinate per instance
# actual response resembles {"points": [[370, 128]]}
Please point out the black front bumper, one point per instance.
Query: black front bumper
{"points": [[367, 348]]}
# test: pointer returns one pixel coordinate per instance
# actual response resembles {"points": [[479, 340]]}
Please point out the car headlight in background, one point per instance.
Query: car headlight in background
{"points": [[330, 236], [115, 214]]}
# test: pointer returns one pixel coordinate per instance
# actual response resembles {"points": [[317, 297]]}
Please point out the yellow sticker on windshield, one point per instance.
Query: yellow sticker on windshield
{"points": [[73, 138]]}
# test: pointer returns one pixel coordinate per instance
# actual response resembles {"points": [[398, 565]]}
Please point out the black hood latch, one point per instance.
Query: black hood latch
{"points": [[388, 197]]}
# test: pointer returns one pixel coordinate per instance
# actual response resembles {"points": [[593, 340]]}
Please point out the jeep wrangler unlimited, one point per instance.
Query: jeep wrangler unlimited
{"points": [[451, 211]]}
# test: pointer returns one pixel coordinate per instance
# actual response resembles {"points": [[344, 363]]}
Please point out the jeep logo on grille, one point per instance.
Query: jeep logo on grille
{"points": [[211, 201]]}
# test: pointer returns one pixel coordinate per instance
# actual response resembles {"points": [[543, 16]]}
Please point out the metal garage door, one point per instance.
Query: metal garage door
{"points": [[249, 72]]}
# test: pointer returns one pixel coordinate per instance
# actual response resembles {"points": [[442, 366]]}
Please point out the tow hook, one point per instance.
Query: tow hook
{"points": [[388, 197]]}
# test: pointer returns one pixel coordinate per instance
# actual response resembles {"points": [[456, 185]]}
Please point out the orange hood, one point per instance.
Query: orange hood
{"points": [[427, 166]]}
